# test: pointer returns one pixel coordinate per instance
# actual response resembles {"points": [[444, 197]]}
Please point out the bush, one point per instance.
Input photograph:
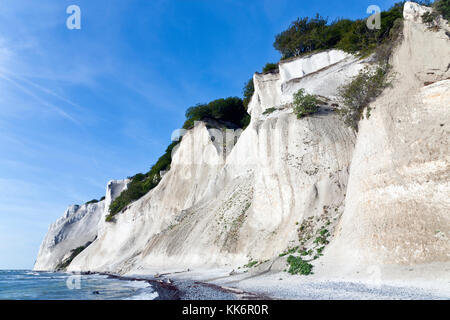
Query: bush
{"points": [[269, 67], [431, 19], [298, 266], [247, 92], [269, 110], [305, 104], [95, 200], [357, 95], [304, 35], [230, 109], [245, 121]]}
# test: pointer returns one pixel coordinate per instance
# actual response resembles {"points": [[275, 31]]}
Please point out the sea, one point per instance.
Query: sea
{"points": [[32, 285]]}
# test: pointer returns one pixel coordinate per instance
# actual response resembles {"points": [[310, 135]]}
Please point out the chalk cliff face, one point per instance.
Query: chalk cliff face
{"points": [[227, 203], [321, 73], [233, 196], [398, 203], [79, 225]]}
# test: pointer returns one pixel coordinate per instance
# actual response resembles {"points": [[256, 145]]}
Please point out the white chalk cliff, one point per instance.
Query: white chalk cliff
{"points": [[79, 225], [384, 190], [398, 196]]}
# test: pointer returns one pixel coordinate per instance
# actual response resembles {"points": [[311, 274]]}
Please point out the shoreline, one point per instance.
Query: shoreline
{"points": [[168, 289], [165, 290]]}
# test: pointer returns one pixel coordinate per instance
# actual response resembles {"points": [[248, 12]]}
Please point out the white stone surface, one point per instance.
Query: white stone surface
{"points": [[397, 203], [321, 73], [298, 68], [78, 225], [413, 11]]}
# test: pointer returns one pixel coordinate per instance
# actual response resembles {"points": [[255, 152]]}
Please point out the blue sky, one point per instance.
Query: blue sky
{"points": [[81, 107]]}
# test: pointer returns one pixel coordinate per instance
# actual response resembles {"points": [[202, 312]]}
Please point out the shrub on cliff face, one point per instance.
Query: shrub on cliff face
{"points": [[298, 266], [360, 92], [269, 110], [305, 104]]}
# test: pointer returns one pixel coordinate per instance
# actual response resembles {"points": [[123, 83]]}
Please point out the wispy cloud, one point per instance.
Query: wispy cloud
{"points": [[41, 101], [50, 92]]}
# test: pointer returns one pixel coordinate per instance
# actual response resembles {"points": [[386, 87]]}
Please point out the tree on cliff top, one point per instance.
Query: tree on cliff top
{"points": [[306, 35], [443, 7], [230, 110]]}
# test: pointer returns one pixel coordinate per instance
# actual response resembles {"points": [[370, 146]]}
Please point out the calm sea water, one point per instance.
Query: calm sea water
{"points": [[31, 285]]}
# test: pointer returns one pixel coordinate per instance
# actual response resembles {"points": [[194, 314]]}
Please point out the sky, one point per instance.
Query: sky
{"points": [[84, 106]]}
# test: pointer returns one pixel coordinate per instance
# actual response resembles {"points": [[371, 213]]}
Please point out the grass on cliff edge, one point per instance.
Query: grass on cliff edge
{"points": [[95, 200]]}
